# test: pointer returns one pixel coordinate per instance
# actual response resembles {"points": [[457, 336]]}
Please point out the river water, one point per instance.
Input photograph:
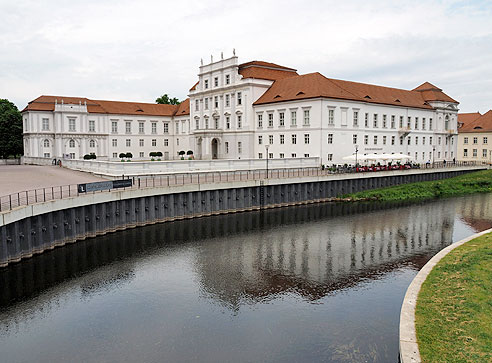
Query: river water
{"points": [[312, 283]]}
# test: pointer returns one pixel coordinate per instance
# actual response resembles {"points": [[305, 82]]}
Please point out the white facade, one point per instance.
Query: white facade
{"points": [[224, 123]]}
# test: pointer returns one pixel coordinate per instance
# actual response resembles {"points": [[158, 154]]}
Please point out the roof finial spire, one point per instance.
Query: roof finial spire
{"points": [[211, 58], [221, 55], [234, 51], [201, 61]]}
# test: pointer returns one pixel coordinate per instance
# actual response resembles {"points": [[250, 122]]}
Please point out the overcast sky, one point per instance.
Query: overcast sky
{"points": [[137, 50]]}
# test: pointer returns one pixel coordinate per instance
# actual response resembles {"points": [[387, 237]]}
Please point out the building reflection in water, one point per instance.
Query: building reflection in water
{"points": [[241, 258]]}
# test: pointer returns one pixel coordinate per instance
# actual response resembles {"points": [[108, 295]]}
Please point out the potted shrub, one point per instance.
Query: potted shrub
{"points": [[181, 153], [122, 156], [159, 155], [152, 154], [129, 156], [190, 154], [87, 157]]}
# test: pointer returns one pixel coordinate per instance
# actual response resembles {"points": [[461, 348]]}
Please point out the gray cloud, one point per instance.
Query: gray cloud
{"points": [[129, 50]]}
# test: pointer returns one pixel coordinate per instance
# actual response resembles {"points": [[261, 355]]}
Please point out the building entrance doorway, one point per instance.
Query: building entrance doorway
{"points": [[215, 148]]}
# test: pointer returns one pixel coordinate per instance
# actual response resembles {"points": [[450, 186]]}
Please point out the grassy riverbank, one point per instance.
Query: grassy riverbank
{"points": [[453, 317], [478, 182]]}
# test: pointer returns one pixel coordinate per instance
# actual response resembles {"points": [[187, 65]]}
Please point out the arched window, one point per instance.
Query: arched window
{"points": [[71, 143], [92, 143], [46, 143]]}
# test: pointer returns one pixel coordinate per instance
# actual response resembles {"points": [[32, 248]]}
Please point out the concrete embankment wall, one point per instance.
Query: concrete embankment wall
{"points": [[33, 229]]}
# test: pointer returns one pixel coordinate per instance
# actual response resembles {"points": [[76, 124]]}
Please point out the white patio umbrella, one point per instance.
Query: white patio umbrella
{"points": [[350, 158]]}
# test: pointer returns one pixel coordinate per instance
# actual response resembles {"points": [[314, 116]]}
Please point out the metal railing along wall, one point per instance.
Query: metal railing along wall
{"points": [[27, 197]]}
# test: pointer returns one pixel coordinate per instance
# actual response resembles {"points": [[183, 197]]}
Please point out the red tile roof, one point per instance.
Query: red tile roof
{"points": [[315, 85], [481, 124], [265, 70], [47, 103], [466, 118], [183, 108], [433, 93]]}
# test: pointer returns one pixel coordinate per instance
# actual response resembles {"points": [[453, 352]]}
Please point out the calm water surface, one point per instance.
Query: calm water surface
{"points": [[303, 284]]}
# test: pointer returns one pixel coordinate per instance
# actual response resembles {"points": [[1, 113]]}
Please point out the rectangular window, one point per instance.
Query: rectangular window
{"points": [[375, 121], [485, 140], [281, 119], [239, 98], [416, 123], [416, 140], [154, 127], [366, 120], [293, 118], [366, 139], [114, 142], [282, 155], [409, 140], [46, 155], [384, 121], [354, 139], [384, 140], [228, 79], [475, 152], [282, 139], [331, 117], [306, 155], [166, 142], [216, 123], [293, 155], [197, 124], [270, 139], [306, 117], [260, 155], [430, 124], [228, 122], [423, 125], [206, 84], [239, 121], [375, 140], [141, 142], [206, 123], [329, 157], [393, 121], [439, 140], [141, 154], [115, 155], [270, 120], [128, 142], [216, 82], [227, 100], [356, 118], [71, 124], [393, 138], [306, 138], [270, 155], [475, 140], [114, 127], [330, 138], [206, 103], [239, 147], [465, 140], [484, 153], [216, 101], [465, 153], [128, 127], [294, 139], [154, 142], [260, 140], [46, 124], [401, 140], [409, 122], [166, 127], [260, 121], [141, 127], [423, 140], [226, 147], [197, 105], [401, 121], [430, 140]]}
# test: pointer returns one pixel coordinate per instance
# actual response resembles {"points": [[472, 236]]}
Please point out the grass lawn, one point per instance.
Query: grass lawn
{"points": [[477, 182], [453, 316]]}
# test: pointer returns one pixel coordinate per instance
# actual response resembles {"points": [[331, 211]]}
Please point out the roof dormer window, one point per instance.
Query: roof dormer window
{"points": [[300, 93]]}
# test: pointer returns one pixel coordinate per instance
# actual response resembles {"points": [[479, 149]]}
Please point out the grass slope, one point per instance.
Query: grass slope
{"points": [[454, 308], [478, 182]]}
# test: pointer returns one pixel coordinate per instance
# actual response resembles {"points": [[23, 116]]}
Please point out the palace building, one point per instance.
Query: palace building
{"points": [[475, 131], [246, 111]]}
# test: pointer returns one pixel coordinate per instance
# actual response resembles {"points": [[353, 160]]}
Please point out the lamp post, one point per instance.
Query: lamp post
{"points": [[266, 147], [433, 154], [356, 151]]}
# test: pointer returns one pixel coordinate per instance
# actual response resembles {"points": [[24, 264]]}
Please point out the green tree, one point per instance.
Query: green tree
{"points": [[11, 143], [165, 100]]}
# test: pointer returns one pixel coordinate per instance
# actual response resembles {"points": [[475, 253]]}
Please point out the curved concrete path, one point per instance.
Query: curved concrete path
{"points": [[409, 349]]}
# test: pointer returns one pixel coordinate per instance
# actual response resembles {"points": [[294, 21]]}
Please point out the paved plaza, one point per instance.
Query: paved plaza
{"points": [[17, 178]]}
